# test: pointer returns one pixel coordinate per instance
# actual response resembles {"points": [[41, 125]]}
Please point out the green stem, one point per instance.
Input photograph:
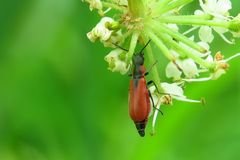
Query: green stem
{"points": [[178, 36], [170, 6], [155, 74], [182, 51], [190, 20], [160, 45], [136, 8], [132, 47]]}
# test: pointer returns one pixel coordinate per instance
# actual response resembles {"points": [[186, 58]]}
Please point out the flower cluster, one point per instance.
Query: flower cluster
{"points": [[137, 21]]}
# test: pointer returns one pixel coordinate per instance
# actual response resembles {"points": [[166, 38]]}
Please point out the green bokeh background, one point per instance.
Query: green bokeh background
{"points": [[58, 101]]}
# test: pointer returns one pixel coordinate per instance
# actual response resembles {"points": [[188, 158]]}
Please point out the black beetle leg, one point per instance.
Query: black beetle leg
{"points": [[150, 95]]}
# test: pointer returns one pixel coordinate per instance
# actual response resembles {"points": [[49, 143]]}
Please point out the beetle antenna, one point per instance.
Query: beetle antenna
{"points": [[145, 46], [120, 47]]}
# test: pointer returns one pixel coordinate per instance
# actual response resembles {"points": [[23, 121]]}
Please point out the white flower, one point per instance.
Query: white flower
{"points": [[219, 10], [172, 90], [174, 27], [205, 34], [100, 30], [220, 64], [103, 32], [94, 4], [172, 71], [187, 66], [116, 60]]}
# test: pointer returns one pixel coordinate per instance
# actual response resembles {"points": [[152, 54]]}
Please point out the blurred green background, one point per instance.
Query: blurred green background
{"points": [[58, 101]]}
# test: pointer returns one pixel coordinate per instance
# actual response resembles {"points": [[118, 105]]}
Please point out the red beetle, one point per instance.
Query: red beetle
{"points": [[139, 95]]}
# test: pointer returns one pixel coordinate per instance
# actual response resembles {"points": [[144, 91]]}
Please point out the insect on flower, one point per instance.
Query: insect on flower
{"points": [[124, 21], [139, 95]]}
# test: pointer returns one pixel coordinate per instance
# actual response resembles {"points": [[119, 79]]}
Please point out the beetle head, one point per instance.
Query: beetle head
{"points": [[138, 59]]}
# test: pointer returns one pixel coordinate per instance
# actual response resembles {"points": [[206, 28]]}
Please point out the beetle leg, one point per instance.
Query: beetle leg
{"points": [[150, 95], [150, 68], [152, 82], [130, 74]]}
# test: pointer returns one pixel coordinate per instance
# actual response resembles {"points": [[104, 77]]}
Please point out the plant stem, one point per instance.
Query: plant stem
{"points": [[190, 20], [132, 47], [155, 74], [171, 6], [182, 51], [136, 8], [160, 45], [179, 37]]}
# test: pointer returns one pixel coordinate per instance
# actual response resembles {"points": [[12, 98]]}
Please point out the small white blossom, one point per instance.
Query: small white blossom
{"points": [[173, 72], [219, 10], [116, 60], [187, 66], [174, 91], [205, 34], [95, 4], [174, 27], [100, 31]]}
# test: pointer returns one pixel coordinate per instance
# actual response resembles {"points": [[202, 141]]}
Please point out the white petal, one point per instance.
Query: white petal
{"points": [[97, 4], [172, 71], [210, 6], [199, 12], [100, 30], [189, 68], [210, 58], [204, 45], [172, 89], [205, 34], [173, 27], [223, 6], [115, 63]]}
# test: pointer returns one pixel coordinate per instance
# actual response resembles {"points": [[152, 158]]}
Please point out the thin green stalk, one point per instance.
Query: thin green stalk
{"points": [[189, 20], [171, 6], [132, 47], [161, 4], [160, 45], [178, 36], [182, 51], [202, 17], [155, 74], [136, 8]]}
